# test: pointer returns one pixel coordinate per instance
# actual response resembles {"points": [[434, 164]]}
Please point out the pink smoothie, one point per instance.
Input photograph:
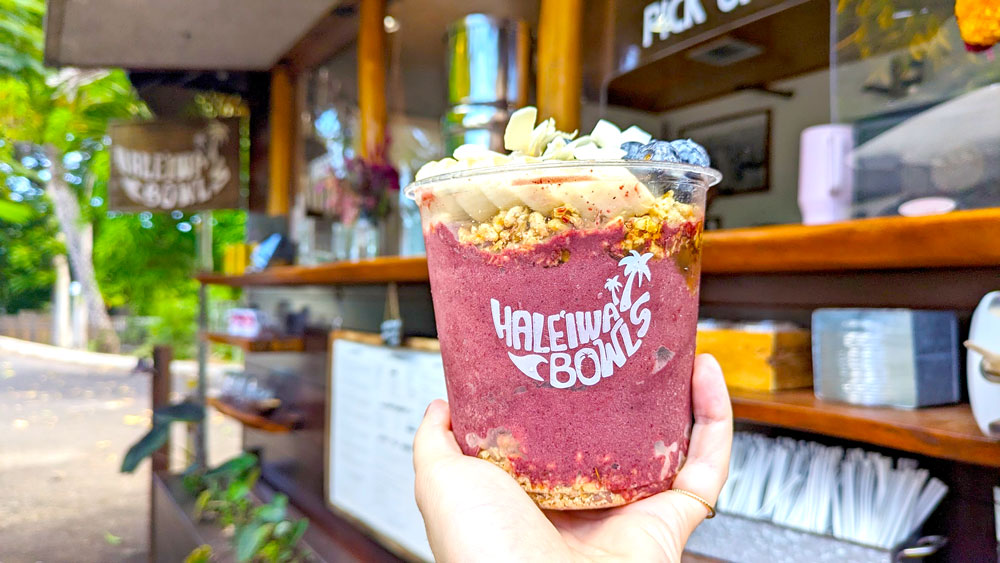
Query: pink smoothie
{"points": [[572, 366]]}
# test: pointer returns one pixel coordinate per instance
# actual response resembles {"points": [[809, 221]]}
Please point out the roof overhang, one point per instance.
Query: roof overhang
{"points": [[177, 34]]}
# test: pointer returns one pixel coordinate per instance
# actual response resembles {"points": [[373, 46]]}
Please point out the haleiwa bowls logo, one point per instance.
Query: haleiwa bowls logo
{"points": [[580, 347]]}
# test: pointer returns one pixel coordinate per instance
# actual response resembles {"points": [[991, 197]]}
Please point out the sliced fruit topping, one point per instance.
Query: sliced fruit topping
{"points": [[592, 198]]}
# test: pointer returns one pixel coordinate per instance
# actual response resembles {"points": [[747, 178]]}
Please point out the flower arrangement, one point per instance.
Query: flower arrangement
{"points": [[366, 190]]}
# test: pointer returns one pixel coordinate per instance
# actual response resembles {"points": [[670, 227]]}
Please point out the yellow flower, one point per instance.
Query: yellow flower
{"points": [[979, 22]]}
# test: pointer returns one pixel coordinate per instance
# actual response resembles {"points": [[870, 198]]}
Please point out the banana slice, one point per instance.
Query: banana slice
{"points": [[442, 205], [502, 195], [475, 203], [435, 167], [542, 198], [609, 193]]}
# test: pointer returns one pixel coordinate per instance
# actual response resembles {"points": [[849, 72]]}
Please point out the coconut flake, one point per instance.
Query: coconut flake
{"points": [[606, 134], [517, 136], [636, 134]]}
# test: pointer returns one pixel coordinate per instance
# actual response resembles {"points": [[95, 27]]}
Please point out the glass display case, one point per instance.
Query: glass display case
{"points": [[922, 93]]}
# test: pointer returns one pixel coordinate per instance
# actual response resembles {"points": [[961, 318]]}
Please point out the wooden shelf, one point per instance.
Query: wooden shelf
{"points": [[278, 344], [250, 419], [954, 240], [377, 270], [960, 239], [947, 432]]}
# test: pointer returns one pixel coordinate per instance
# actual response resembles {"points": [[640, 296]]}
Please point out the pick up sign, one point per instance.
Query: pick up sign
{"points": [[164, 165]]}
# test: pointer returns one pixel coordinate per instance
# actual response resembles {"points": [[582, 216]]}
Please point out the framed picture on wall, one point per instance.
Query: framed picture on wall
{"points": [[740, 147]]}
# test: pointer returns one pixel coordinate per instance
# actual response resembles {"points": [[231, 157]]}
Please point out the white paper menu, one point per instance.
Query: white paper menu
{"points": [[378, 398]]}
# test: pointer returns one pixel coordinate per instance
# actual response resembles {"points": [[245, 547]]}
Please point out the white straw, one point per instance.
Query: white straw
{"points": [[854, 495]]}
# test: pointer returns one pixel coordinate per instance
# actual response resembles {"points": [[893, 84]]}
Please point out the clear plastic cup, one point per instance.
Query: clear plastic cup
{"points": [[566, 300]]}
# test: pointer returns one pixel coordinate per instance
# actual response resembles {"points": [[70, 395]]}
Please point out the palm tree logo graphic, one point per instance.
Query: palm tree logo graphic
{"points": [[613, 285], [636, 267]]}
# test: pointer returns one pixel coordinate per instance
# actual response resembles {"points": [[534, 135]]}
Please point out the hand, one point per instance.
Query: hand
{"points": [[474, 511]]}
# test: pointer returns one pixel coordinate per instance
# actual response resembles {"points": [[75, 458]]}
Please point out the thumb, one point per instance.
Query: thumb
{"points": [[434, 440]]}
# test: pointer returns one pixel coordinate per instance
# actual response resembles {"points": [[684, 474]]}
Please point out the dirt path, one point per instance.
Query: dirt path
{"points": [[63, 431]]}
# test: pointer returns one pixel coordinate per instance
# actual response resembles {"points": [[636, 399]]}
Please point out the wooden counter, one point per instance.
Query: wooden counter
{"points": [[250, 419], [960, 239], [377, 270], [954, 240], [274, 344]]}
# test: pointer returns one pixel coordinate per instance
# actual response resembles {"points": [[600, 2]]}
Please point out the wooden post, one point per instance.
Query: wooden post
{"points": [[159, 396], [160, 392], [559, 72], [371, 78], [200, 429], [282, 140]]}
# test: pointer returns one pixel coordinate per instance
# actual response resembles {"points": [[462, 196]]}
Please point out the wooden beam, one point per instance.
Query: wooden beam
{"points": [[259, 104], [282, 143], [330, 35], [559, 72], [371, 78]]}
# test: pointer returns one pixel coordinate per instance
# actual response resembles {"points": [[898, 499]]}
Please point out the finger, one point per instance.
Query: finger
{"points": [[434, 439], [707, 464]]}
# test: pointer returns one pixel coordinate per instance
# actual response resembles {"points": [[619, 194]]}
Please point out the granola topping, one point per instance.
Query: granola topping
{"points": [[583, 493], [519, 226]]}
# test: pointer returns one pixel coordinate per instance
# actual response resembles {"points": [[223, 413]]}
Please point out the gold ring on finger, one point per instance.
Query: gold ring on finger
{"points": [[708, 505]]}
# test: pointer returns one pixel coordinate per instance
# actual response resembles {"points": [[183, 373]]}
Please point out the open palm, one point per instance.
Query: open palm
{"points": [[474, 511]]}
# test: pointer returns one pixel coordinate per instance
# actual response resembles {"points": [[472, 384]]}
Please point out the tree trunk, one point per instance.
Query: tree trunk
{"points": [[80, 254]]}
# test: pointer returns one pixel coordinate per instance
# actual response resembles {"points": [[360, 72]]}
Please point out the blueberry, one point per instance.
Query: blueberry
{"points": [[631, 149], [690, 152], [661, 151], [657, 151]]}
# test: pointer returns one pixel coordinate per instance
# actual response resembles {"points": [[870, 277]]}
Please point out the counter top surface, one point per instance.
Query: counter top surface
{"points": [[960, 239]]}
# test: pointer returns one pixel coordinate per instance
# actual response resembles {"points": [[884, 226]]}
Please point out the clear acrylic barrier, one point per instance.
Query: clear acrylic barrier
{"points": [[925, 109]]}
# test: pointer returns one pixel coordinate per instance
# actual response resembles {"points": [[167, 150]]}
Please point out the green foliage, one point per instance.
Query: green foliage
{"points": [[143, 262], [157, 436], [154, 254], [14, 212], [146, 262], [41, 109], [201, 554], [262, 533], [21, 37], [26, 252], [180, 412], [112, 539], [149, 443]]}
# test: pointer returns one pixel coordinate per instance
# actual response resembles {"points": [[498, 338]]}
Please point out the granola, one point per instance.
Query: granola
{"points": [[645, 233], [583, 493], [520, 226]]}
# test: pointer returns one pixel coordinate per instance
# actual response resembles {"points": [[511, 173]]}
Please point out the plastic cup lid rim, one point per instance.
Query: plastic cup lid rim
{"points": [[710, 176]]}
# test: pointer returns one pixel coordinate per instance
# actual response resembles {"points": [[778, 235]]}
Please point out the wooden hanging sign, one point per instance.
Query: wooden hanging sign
{"points": [[164, 165]]}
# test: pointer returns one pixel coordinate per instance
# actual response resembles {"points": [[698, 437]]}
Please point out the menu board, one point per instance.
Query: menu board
{"points": [[378, 398]]}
